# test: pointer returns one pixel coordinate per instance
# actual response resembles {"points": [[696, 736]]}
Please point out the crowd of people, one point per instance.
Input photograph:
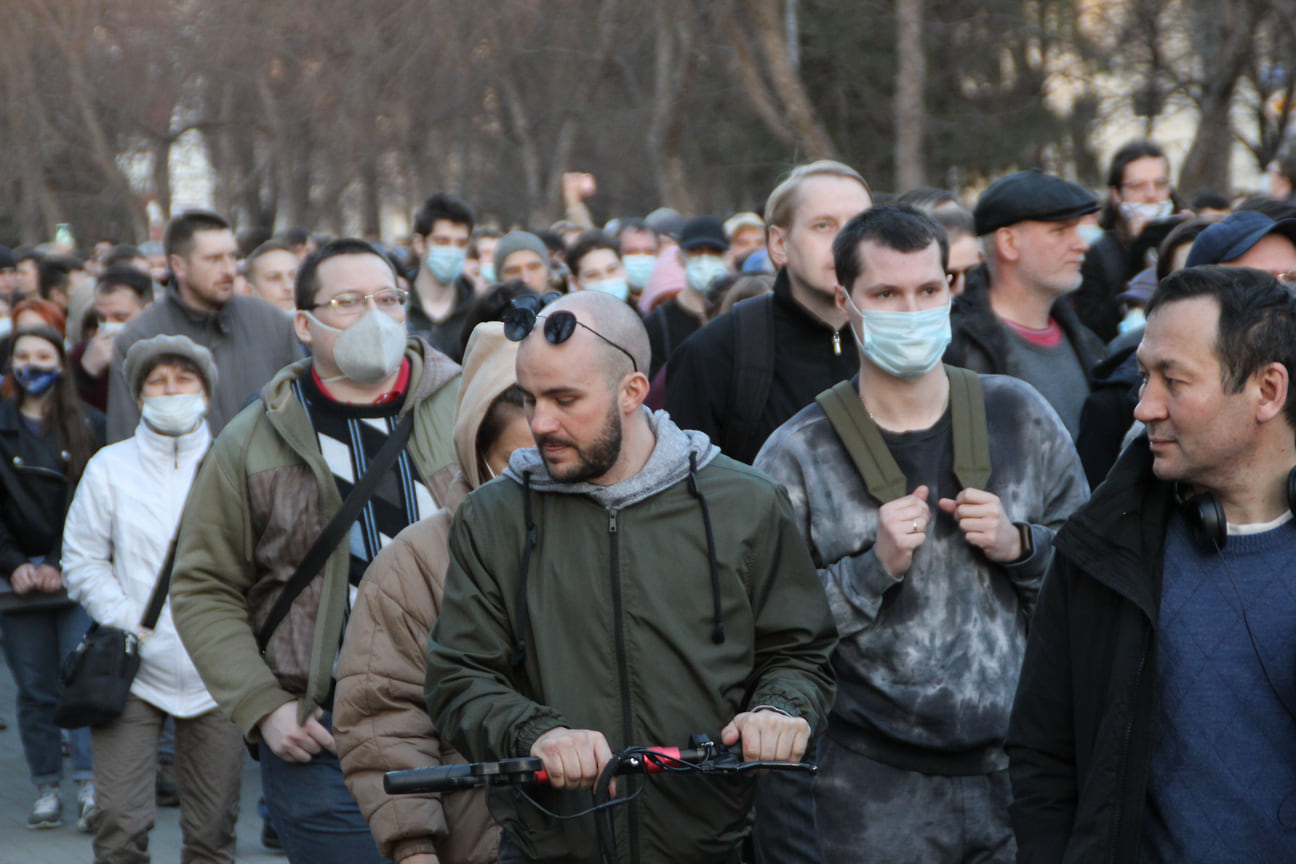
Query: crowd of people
{"points": [[981, 511]]}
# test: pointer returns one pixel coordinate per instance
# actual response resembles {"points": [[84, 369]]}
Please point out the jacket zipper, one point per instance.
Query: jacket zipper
{"points": [[19, 464], [623, 672], [1125, 745]]}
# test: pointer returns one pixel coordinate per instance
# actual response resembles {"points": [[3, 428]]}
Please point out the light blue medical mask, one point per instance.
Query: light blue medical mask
{"points": [[445, 263], [1091, 234], [903, 344], [1133, 320], [487, 272], [616, 286], [638, 268], [702, 270]]}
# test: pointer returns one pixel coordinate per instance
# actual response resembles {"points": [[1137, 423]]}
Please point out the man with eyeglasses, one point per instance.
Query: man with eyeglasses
{"points": [[249, 340], [274, 478], [1139, 193], [623, 583]]}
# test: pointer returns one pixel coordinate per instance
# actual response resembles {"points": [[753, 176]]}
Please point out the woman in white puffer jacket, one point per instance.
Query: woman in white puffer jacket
{"points": [[115, 542]]}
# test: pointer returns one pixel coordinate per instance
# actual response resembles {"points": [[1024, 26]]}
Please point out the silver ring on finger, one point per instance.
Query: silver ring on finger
{"points": [[915, 527]]}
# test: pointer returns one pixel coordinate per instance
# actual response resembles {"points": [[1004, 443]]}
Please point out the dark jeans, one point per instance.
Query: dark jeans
{"points": [[315, 816], [869, 811], [35, 644], [784, 831]]}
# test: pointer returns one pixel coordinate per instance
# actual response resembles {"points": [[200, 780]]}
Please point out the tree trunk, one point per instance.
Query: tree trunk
{"points": [[1225, 34], [910, 111], [771, 33], [672, 67]]}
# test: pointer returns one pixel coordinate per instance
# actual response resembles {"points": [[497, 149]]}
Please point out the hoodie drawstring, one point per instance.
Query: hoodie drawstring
{"points": [[519, 647], [717, 634]]}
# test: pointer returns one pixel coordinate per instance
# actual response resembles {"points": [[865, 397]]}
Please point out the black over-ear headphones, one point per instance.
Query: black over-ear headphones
{"points": [[1205, 515]]}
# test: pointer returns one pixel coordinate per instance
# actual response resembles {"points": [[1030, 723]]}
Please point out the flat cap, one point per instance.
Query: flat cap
{"points": [[142, 356], [1233, 236], [1030, 196]]}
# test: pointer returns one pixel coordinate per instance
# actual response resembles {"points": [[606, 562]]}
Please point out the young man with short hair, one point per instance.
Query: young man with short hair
{"points": [[441, 292], [718, 380], [249, 340], [928, 497]]}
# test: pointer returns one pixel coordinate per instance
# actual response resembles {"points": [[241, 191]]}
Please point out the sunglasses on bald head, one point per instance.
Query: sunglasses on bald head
{"points": [[521, 317]]}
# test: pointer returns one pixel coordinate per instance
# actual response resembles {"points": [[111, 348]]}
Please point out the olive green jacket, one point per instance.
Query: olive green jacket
{"points": [[258, 503], [619, 638]]}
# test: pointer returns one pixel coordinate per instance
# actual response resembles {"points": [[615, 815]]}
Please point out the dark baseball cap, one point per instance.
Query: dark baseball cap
{"points": [[1140, 288], [703, 231], [1231, 237], [1030, 196]]}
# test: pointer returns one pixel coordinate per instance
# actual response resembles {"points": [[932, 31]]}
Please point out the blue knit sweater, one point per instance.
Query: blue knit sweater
{"points": [[1223, 780]]}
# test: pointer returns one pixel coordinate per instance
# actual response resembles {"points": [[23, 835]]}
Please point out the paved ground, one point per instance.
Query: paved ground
{"points": [[66, 846]]}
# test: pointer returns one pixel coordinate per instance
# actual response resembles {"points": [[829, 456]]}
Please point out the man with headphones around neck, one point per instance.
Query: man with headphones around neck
{"points": [[1155, 717]]}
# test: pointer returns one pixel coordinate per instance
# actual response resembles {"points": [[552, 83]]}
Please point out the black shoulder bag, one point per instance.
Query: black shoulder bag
{"points": [[98, 673]]}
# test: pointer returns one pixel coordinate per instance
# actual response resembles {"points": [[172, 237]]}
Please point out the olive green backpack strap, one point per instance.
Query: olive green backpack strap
{"points": [[971, 433], [863, 442]]}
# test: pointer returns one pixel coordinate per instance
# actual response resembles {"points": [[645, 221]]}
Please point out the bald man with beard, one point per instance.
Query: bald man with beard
{"points": [[623, 583]]}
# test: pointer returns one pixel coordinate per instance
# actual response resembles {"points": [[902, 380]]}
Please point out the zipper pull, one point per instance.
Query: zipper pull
{"points": [[612, 526], [836, 344]]}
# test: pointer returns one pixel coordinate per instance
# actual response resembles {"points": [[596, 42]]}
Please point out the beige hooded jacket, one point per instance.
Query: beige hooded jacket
{"points": [[380, 722]]}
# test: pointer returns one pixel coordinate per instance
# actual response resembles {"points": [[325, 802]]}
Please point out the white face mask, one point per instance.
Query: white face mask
{"points": [[369, 350], [6, 327], [903, 344], [174, 415], [111, 328], [1147, 212]]}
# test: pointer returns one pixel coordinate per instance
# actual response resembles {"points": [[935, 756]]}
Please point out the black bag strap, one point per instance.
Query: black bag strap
{"points": [[160, 588], [863, 441], [753, 372], [338, 526]]}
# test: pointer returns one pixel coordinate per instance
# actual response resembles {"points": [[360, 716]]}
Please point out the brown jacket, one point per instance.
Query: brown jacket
{"points": [[380, 721]]}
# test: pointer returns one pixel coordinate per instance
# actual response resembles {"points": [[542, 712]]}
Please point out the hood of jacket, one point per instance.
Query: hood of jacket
{"points": [[488, 370], [668, 465]]}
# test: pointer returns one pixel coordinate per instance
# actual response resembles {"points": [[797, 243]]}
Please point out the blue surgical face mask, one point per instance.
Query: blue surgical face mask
{"points": [[903, 344], [702, 270], [1091, 234], [1133, 320], [638, 268], [487, 272], [616, 286], [35, 380], [445, 263]]}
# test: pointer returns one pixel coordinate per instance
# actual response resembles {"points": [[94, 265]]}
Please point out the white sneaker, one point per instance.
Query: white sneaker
{"points": [[87, 812], [47, 812]]}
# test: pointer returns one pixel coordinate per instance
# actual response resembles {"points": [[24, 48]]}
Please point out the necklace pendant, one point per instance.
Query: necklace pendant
{"points": [[836, 344]]}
